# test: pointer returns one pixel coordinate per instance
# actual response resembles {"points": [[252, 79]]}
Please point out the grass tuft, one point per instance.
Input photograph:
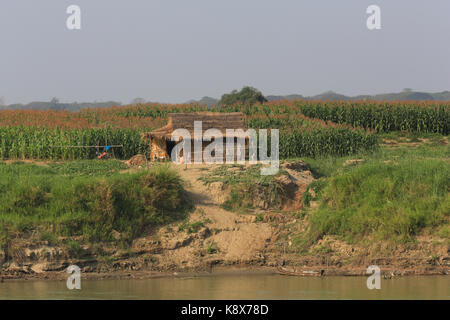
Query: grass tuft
{"points": [[384, 200]]}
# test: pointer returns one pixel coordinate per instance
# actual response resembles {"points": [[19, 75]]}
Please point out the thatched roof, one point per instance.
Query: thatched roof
{"points": [[216, 120]]}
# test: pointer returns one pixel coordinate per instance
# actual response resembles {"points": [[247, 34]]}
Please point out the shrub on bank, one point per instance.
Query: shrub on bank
{"points": [[37, 198], [384, 201]]}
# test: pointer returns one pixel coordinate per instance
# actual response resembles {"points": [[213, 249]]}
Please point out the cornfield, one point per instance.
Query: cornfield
{"points": [[56, 143], [304, 137], [307, 128], [423, 117]]}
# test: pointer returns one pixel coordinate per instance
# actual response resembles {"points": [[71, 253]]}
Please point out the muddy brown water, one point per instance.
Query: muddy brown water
{"points": [[233, 287]]}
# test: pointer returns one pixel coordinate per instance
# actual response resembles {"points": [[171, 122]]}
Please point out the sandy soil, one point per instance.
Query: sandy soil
{"points": [[228, 242]]}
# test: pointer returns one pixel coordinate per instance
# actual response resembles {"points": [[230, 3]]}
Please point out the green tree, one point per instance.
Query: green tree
{"points": [[247, 95], [138, 101]]}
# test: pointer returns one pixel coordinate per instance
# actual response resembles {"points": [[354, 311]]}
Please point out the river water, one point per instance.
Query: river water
{"points": [[233, 287]]}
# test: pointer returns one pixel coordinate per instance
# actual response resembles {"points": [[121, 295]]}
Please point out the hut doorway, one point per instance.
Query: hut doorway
{"points": [[169, 147]]}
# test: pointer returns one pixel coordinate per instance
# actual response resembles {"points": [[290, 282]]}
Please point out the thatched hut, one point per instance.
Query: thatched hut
{"points": [[160, 140]]}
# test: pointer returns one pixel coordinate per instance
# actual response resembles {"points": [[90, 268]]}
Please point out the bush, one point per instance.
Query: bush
{"points": [[384, 200], [89, 205]]}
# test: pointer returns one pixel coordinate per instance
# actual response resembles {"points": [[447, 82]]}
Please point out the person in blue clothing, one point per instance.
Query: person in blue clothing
{"points": [[104, 154]]}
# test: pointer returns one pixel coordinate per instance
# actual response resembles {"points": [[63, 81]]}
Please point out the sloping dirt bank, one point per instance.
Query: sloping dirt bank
{"points": [[216, 240]]}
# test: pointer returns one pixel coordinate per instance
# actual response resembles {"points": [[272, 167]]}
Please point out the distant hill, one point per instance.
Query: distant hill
{"points": [[441, 96], [205, 100], [208, 101], [404, 95], [329, 95], [288, 97], [56, 105]]}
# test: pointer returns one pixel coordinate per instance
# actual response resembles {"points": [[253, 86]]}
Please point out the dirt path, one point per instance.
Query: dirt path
{"points": [[214, 239], [231, 238]]}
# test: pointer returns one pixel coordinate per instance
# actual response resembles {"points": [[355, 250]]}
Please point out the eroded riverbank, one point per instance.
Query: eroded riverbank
{"points": [[215, 240]]}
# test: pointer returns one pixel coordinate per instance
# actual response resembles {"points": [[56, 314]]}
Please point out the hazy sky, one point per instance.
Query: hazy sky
{"points": [[175, 50]]}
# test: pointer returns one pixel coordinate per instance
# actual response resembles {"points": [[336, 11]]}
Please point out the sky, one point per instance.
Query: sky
{"points": [[177, 50]]}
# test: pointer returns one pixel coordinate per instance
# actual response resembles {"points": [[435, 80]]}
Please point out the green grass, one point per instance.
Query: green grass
{"points": [[238, 174], [74, 248], [316, 187], [191, 227], [50, 237], [246, 184], [212, 248], [411, 136], [423, 151], [384, 200], [395, 193], [328, 166], [88, 198], [88, 167], [69, 168]]}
